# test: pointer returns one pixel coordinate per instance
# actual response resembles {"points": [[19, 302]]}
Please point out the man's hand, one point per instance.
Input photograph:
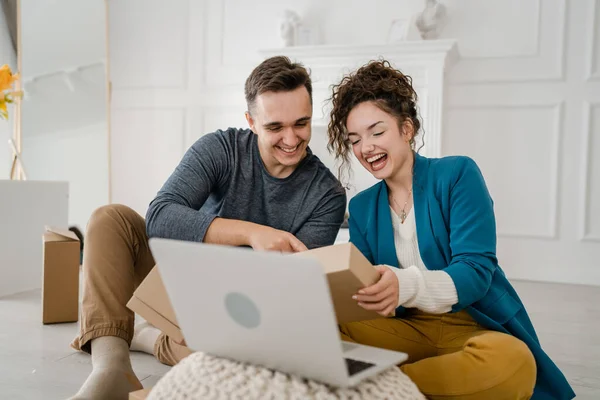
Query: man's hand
{"points": [[270, 239], [233, 232], [381, 297]]}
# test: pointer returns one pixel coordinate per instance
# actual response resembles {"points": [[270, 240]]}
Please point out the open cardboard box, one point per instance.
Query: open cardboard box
{"points": [[60, 281], [346, 268], [348, 271]]}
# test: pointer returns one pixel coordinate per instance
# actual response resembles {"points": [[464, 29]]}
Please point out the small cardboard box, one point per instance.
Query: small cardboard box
{"points": [[347, 271], [151, 301], [60, 276], [139, 394]]}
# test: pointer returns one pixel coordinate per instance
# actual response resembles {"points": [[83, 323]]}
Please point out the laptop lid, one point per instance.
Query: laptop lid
{"points": [[264, 308]]}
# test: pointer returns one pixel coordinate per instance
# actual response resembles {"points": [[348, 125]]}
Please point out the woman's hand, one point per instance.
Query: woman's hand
{"points": [[381, 297]]}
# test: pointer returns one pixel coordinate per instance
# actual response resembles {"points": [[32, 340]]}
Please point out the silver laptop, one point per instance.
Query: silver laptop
{"points": [[263, 308]]}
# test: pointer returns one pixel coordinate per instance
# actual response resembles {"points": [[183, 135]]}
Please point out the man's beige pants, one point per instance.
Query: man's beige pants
{"points": [[116, 260], [450, 355]]}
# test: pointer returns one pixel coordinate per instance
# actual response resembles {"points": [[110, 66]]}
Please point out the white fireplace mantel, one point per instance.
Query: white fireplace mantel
{"points": [[425, 61]]}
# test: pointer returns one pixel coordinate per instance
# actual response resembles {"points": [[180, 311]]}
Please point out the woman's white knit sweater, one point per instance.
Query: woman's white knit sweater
{"points": [[429, 291]]}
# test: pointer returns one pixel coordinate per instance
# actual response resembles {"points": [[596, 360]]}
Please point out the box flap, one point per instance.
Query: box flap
{"points": [[333, 258], [156, 319], [362, 268], [343, 285], [153, 292], [151, 301], [60, 234], [348, 271]]}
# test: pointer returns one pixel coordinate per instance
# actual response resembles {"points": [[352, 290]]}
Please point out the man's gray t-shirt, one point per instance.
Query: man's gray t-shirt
{"points": [[223, 175]]}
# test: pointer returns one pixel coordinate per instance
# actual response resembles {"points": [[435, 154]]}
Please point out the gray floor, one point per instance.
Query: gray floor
{"points": [[37, 363]]}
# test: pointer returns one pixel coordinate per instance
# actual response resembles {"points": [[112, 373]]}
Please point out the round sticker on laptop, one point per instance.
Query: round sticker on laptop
{"points": [[242, 310]]}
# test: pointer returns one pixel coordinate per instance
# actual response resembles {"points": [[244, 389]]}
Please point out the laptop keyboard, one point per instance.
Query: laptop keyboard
{"points": [[356, 366]]}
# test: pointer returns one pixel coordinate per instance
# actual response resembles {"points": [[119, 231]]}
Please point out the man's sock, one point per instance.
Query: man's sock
{"points": [[144, 338], [112, 376]]}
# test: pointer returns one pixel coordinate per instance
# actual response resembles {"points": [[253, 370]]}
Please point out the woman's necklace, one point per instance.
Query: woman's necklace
{"points": [[403, 213]]}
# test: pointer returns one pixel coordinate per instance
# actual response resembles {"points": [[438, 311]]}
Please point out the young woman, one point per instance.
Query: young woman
{"points": [[429, 226]]}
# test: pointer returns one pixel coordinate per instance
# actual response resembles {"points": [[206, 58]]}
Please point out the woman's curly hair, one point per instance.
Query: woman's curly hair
{"points": [[379, 82]]}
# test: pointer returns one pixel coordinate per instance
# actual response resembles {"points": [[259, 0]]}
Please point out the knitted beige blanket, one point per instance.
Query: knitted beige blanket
{"points": [[200, 376]]}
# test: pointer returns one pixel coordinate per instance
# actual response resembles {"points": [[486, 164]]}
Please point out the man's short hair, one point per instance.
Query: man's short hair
{"points": [[276, 74]]}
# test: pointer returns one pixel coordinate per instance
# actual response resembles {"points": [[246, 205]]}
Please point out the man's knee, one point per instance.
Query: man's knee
{"points": [[113, 214]]}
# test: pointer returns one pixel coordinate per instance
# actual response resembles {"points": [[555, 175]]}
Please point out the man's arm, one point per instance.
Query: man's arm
{"points": [[175, 212], [234, 232], [325, 222]]}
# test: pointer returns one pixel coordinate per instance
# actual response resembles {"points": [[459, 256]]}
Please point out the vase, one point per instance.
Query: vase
{"points": [[432, 19]]}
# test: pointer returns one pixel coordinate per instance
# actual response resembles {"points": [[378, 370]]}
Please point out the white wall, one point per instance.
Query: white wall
{"points": [[64, 113], [524, 101], [76, 156], [7, 56], [61, 34], [63, 52], [526, 109]]}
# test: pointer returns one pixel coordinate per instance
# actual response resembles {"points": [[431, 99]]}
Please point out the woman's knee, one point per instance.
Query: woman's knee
{"points": [[525, 368], [512, 363]]}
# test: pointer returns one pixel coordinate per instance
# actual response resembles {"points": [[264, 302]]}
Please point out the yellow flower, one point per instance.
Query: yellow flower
{"points": [[7, 94], [3, 108], [6, 77]]}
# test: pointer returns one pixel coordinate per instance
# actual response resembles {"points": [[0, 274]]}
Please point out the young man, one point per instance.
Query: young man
{"points": [[261, 187]]}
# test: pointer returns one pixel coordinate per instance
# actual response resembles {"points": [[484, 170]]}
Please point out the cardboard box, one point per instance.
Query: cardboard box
{"points": [[347, 271], [151, 301], [139, 394], [60, 276]]}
